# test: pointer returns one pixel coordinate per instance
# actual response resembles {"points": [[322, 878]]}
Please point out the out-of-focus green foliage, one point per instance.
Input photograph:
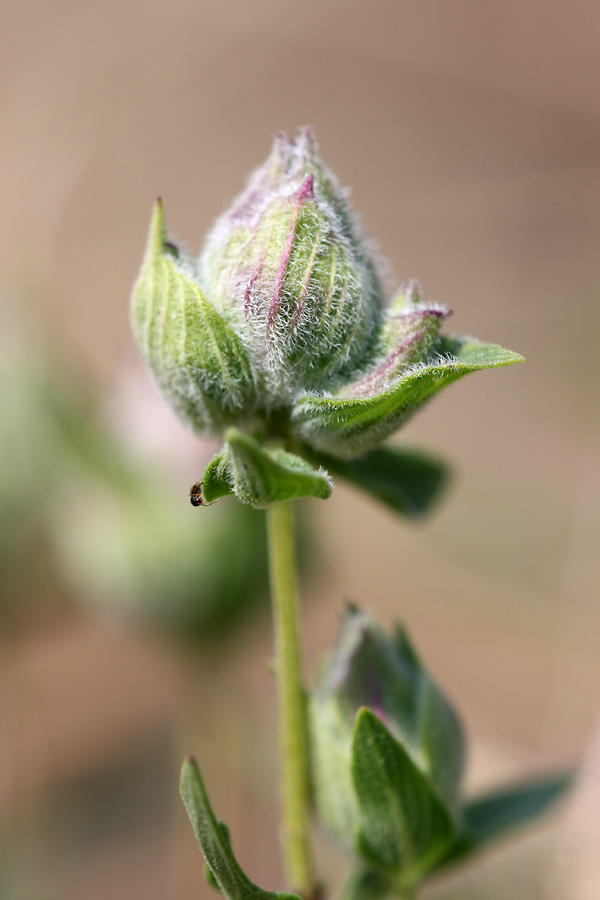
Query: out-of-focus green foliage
{"points": [[144, 551], [408, 481], [117, 529]]}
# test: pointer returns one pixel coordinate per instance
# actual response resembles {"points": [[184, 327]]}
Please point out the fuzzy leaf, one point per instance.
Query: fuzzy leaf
{"points": [[331, 765], [213, 839], [259, 477], [357, 419], [497, 814], [408, 334], [408, 481], [209, 878], [196, 357], [365, 884], [404, 827], [216, 482]]}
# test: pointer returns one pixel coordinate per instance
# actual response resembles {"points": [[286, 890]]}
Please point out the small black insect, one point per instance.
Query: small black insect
{"points": [[196, 498], [171, 248]]}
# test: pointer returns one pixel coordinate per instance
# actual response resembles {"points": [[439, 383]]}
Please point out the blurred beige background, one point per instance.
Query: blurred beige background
{"points": [[469, 133]]}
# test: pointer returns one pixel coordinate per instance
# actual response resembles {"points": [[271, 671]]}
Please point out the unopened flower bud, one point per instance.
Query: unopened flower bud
{"points": [[288, 267], [280, 329], [370, 669]]}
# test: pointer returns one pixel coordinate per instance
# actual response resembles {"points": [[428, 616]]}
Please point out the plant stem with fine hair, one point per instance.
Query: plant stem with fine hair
{"points": [[293, 724]]}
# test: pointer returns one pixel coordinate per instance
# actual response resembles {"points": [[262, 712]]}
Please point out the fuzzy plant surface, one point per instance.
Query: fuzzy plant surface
{"points": [[388, 755], [279, 338]]}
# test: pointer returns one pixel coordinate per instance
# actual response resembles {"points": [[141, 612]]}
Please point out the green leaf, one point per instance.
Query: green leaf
{"points": [[492, 815], [216, 482], [497, 814], [365, 884], [209, 878], [196, 357], [331, 768], [404, 827], [213, 839], [408, 481], [259, 477], [356, 420]]}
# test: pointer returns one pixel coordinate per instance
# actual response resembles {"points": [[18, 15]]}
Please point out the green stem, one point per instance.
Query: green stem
{"points": [[295, 773]]}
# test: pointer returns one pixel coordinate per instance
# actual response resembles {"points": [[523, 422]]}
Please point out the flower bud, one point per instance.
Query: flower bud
{"points": [[279, 330], [370, 669], [288, 267]]}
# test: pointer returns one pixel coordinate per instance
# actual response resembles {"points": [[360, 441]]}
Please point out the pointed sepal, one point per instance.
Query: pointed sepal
{"points": [[405, 829], [259, 477], [216, 481], [196, 357], [408, 333], [357, 418], [213, 838]]}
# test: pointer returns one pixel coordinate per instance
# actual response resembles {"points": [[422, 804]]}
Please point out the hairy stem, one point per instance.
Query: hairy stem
{"points": [[295, 777]]}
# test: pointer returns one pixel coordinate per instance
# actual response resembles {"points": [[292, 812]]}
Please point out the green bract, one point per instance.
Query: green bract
{"points": [[387, 761], [281, 329], [370, 670]]}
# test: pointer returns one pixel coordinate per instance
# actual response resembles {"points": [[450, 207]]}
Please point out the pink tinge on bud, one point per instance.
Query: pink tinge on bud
{"points": [[307, 189], [283, 146], [377, 380], [288, 265], [281, 139], [306, 140], [414, 331], [412, 290], [247, 208], [304, 193], [252, 282]]}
